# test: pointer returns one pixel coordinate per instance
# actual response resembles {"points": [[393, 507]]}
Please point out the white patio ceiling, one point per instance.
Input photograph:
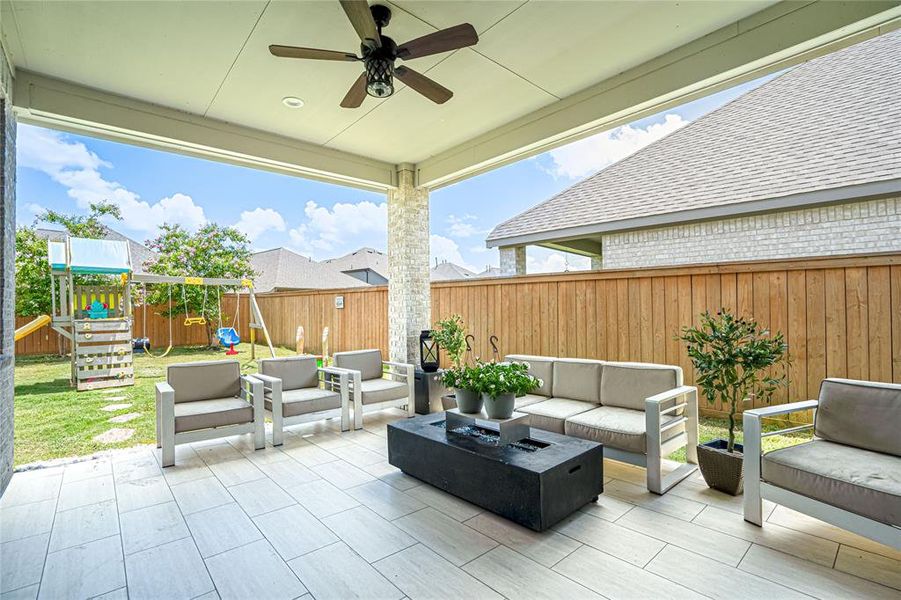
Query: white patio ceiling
{"points": [[197, 77]]}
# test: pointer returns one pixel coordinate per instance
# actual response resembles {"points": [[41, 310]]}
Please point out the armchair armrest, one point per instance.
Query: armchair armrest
{"points": [[269, 382], [165, 422], [667, 403], [657, 399], [780, 409], [399, 369], [252, 391], [343, 386]]}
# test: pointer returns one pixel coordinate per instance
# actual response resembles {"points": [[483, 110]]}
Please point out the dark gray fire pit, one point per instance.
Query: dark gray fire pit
{"points": [[535, 482]]}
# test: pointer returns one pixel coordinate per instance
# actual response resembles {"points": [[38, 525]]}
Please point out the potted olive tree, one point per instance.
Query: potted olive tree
{"points": [[731, 357], [450, 334], [500, 384]]}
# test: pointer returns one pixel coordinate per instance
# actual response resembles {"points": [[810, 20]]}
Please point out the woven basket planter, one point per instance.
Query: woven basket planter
{"points": [[721, 470]]}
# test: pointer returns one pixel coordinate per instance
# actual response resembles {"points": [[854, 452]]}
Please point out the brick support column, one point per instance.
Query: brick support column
{"points": [[409, 295], [7, 279], [513, 260]]}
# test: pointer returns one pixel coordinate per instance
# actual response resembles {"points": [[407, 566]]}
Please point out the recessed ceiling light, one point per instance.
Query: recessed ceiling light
{"points": [[292, 102]]}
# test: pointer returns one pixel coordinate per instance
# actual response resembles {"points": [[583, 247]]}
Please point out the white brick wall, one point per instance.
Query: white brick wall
{"points": [[852, 228], [513, 260], [7, 286]]}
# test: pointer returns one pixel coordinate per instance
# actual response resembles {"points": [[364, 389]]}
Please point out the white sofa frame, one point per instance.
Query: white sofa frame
{"points": [[273, 385], [657, 406], [757, 490], [166, 438], [396, 371]]}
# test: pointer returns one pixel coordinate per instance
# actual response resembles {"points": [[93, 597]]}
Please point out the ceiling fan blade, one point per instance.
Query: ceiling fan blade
{"points": [[452, 38], [356, 94], [361, 18], [313, 53], [432, 90]]}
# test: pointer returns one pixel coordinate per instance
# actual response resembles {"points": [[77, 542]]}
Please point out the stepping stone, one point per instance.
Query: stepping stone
{"points": [[114, 435], [124, 418], [115, 407]]}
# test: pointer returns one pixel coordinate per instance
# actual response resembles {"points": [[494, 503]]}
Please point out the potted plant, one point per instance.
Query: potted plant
{"points": [[732, 357], [450, 334], [500, 383]]}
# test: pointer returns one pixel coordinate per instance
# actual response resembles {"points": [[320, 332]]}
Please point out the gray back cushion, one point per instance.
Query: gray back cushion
{"points": [[368, 362], [577, 379], [626, 385], [296, 372], [541, 367], [863, 414], [205, 380]]}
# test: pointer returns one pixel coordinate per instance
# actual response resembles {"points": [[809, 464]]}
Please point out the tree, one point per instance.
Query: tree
{"points": [[33, 269], [212, 252]]}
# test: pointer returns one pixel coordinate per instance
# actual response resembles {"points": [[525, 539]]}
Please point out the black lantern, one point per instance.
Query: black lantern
{"points": [[379, 77], [428, 352]]}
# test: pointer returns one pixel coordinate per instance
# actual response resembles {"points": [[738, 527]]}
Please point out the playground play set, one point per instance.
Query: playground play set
{"points": [[98, 320]]}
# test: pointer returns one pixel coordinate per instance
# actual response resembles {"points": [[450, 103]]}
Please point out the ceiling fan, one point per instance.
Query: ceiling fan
{"points": [[378, 53]]}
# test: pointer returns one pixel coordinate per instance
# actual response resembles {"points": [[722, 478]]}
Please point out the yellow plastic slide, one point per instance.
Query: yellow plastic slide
{"points": [[31, 326]]}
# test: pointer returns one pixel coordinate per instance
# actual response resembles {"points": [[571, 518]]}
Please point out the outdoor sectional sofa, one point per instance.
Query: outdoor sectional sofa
{"points": [[849, 475], [641, 412]]}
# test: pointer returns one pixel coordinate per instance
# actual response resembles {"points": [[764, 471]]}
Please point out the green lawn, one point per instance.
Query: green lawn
{"points": [[52, 420], [711, 429]]}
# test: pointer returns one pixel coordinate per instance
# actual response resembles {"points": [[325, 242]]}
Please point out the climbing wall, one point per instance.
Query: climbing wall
{"points": [[103, 355]]}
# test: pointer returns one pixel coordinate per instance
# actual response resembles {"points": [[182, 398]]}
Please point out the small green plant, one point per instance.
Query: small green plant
{"points": [[494, 379], [463, 378], [450, 334], [731, 357]]}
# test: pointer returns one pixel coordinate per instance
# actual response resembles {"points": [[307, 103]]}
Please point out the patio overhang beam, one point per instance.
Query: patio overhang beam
{"points": [[49, 102], [581, 246], [783, 35]]}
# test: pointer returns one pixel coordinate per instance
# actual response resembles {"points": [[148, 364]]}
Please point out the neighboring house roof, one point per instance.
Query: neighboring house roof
{"points": [[491, 272], [447, 270], [140, 254], [827, 130], [358, 260], [282, 269]]}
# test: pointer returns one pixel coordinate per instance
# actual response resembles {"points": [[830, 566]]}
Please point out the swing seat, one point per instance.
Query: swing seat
{"points": [[195, 321], [228, 336]]}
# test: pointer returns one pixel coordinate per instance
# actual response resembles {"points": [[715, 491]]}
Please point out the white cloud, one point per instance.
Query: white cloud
{"points": [[76, 168], [446, 249], [592, 154], [556, 262], [463, 226], [254, 223], [361, 224]]}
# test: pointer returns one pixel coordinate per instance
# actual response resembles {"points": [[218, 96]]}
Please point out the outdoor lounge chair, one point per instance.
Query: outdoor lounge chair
{"points": [[849, 475], [296, 391], [641, 412], [207, 400], [373, 386]]}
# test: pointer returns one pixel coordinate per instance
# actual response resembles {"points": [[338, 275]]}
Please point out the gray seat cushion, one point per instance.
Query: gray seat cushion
{"points": [[864, 414], [305, 401], [577, 379], [296, 372], [218, 412], [382, 390], [616, 427], [860, 481], [367, 362], [527, 400], [204, 380], [551, 414], [627, 385], [541, 367]]}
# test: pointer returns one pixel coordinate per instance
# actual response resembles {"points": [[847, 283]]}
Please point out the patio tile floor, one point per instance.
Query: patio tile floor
{"points": [[325, 516]]}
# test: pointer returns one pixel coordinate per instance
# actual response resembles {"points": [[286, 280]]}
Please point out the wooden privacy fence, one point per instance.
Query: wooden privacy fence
{"points": [[841, 316]]}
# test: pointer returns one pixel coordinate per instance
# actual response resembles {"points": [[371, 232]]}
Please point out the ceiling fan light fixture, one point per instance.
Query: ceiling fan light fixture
{"points": [[292, 102], [379, 77]]}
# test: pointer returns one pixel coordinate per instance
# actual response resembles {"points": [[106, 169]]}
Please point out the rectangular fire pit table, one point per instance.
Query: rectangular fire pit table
{"points": [[535, 482]]}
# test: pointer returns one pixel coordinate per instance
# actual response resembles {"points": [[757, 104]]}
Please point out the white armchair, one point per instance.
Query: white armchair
{"points": [[848, 475], [297, 391], [376, 384], [207, 400]]}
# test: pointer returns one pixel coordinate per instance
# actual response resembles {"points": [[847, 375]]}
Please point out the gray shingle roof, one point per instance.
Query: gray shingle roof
{"points": [[447, 271], [364, 258], [282, 269], [829, 123]]}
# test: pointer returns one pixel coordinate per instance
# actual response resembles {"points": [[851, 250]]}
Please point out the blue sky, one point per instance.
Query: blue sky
{"points": [[66, 172]]}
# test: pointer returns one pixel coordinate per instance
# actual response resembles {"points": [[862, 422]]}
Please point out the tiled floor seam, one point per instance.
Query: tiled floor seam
{"points": [[193, 541], [119, 526], [59, 492]]}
